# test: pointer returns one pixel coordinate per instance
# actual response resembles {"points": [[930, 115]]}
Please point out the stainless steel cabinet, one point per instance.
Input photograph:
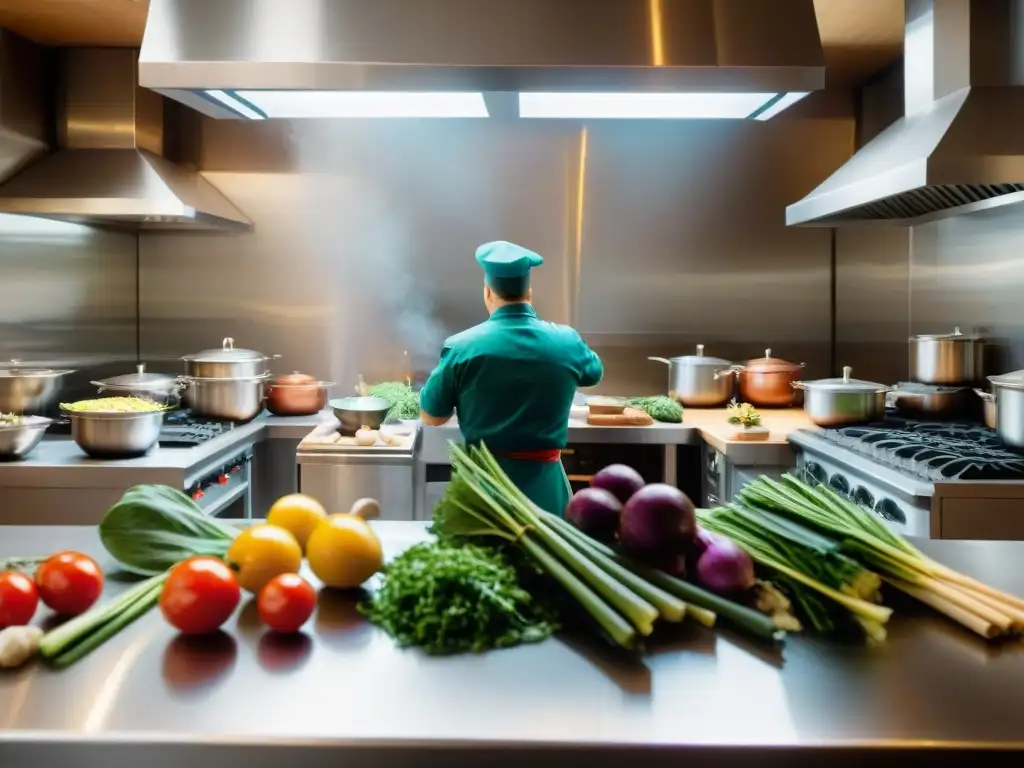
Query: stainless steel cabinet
{"points": [[337, 482]]}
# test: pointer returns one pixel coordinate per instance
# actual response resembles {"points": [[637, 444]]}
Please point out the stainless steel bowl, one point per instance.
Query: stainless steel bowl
{"points": [[236, 399], [115, 435], [28, 390], [356, 412], [18, 440]]}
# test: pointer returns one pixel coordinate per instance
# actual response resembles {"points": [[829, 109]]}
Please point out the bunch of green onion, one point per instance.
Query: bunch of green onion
{"points": [[827, 587], [623, 597], [863, 537]]}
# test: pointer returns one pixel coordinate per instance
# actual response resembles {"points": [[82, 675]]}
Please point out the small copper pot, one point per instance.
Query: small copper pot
{"points": [[767, 382], [297, 394]]}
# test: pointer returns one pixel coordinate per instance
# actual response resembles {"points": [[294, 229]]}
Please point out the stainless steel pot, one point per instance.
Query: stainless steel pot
{"points": [[1009, 393], [110, 435], [991, 411], [228, 362], [838, 402], [948, 358], [927, 400], [18, 439], [27, 390], [233, 399], [158, 387], [699, 381]]}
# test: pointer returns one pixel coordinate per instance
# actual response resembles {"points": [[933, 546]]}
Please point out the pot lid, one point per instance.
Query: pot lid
{"points": [[843, 384], [294, 379], [1014, 380], [138, 380], [227, 353], [15, 368], [956, 335], [917, 388], [700, 359], [769, 364]]}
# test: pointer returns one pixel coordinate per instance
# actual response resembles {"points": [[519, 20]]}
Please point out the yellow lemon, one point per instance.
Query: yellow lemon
{"points": [[262, 552], [344, 551], [298, 514]]}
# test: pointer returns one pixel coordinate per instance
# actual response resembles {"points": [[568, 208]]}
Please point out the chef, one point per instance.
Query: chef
{"points": [[512, 379]]}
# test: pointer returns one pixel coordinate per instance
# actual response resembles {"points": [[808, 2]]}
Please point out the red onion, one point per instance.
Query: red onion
{"points": [[595, 512], [619, 480], [657, 523]]}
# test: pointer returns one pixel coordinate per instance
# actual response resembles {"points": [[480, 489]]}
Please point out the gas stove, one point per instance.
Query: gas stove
{"points": [[924, 478]]}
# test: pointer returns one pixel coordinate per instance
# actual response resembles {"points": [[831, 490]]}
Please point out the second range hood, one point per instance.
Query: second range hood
{"points": [[109, 168], [301, 58], [960, 145]]}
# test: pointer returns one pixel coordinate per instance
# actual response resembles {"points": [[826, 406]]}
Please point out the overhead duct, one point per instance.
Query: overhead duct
{"points": [[331, 58], [109, 167], [960, 145]]}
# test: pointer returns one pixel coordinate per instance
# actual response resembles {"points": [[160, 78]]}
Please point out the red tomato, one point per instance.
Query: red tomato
{"points": [[199, 595], [286, 602], [69, 582], [18, 599]]}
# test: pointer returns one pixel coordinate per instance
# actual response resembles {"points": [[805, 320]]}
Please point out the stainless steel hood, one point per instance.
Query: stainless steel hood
{"points": [[960, 145], [193, 48], [109, 167]]}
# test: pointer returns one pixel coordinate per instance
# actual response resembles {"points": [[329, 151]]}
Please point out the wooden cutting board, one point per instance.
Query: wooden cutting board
{"points": [[749, 434], [631, 417]]}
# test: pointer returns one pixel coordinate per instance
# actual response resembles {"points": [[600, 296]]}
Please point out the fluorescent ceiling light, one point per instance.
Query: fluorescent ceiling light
{"points": [[236, 105], [787, 100], [313, 104], [736, 106]]}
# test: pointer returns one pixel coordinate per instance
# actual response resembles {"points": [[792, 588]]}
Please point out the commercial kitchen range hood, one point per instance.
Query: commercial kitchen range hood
{"points": [[960, 145], [445, 58], [109, 167]]}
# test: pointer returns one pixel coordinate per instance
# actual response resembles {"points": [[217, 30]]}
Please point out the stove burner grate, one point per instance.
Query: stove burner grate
{"points": [[935, 451]]}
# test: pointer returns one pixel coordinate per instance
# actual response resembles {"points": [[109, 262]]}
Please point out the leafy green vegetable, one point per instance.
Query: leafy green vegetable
{"points": [[405, 402], [154, 527], [448, 598], [659, 408]]}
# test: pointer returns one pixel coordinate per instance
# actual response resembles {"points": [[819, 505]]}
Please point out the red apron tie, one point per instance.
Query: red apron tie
{"points": [[548, 455]]}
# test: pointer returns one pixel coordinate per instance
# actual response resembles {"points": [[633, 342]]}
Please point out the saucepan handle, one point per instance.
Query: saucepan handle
{"points": [[660, 360]]}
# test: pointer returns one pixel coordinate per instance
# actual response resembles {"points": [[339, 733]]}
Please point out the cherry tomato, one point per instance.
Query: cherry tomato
{"points": [[18, 599], [69, 582], [199, 595], [286, 602]]}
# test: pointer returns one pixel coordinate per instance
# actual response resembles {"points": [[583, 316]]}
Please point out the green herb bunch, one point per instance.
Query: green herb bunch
{"points": [[447, 597]]}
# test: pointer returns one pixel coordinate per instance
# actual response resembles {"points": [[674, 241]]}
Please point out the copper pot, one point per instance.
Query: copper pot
{"points": [[297, 394], [767, 382]]}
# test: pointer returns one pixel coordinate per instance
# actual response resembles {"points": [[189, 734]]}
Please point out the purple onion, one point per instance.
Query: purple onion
{"points": [[596, 512]]}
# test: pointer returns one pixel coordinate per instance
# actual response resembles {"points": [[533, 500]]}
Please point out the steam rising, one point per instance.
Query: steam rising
{"points": [[362, 224]]}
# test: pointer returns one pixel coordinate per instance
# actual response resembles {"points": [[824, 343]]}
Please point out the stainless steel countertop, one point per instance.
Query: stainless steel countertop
{"points": [[434, 446], [343, 694], [161, 465]]}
